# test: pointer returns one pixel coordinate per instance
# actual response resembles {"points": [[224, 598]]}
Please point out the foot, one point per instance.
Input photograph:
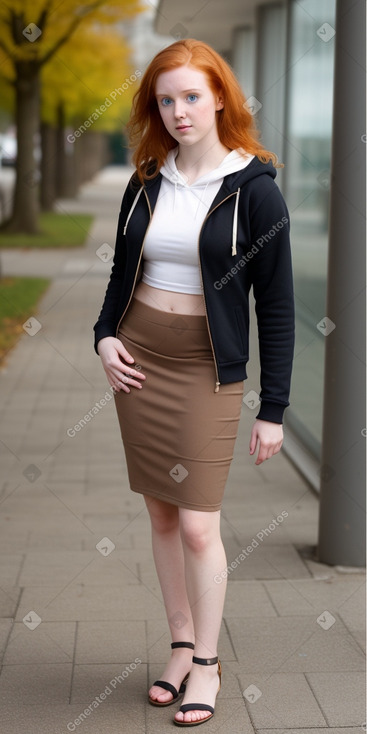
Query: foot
{"points": [[175, 671], [202, 687]]}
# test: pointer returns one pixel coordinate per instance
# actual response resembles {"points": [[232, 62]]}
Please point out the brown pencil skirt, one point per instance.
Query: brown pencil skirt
{"points": [[178, 434]]}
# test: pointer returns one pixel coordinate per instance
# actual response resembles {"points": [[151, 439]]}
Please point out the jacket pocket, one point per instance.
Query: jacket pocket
{"points": [[242, 330]]}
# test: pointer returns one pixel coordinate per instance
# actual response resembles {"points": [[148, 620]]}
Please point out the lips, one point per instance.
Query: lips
{"points": [[183, 127]]}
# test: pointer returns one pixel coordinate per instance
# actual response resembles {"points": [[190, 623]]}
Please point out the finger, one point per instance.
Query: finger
{"points": [[262, 455], [123, 380], [272, 450], [123, 387], [123, 351], [253, 442], [130, 371], [127, 379], [125, 372]]}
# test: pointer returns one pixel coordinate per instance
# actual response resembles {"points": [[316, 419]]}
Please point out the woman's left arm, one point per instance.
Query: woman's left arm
{"points": [[272, 281]]}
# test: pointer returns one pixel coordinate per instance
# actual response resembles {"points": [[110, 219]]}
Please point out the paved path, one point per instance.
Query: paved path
{"points": [[82, 625]]}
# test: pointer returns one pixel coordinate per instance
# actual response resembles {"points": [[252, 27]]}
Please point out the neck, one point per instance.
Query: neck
{"points": [[195, 160]]}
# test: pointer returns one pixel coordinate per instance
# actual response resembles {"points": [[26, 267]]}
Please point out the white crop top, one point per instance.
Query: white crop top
{"points": [[171, 255]]}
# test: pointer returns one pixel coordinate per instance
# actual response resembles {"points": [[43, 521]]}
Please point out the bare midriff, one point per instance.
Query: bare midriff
{"points": [[171, 301]]}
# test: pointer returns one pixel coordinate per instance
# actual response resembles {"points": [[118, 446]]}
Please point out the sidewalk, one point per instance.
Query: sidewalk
{"points": [[83, 628]]}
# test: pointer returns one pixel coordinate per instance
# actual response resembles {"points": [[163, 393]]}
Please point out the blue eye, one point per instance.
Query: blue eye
{"points": [[166, 101], [192, 97]]}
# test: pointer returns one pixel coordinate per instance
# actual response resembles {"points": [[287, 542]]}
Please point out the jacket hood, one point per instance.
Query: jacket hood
{"points": [[232, 163], [236, 169]]}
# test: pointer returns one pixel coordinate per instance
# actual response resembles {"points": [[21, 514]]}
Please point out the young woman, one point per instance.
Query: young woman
{"points": [[201, 221]]}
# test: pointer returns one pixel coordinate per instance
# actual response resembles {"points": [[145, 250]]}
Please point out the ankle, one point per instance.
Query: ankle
{"points": [[205, 660]]}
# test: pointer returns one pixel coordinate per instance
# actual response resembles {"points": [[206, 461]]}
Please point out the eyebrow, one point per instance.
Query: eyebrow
{"points": [[184, 90]]}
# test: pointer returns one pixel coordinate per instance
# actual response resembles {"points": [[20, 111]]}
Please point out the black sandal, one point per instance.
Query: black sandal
{"points": [[200, 706], [168, 686]]}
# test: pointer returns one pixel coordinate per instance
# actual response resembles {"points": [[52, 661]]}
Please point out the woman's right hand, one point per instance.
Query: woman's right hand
{"points": [[115, 359]]}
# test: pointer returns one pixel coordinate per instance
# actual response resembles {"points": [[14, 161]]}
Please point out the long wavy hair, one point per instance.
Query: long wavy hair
{"points": [[236, 127]]}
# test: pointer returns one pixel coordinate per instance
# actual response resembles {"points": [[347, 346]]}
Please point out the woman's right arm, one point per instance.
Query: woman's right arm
{"points": [[116, 360], [106, 323]]}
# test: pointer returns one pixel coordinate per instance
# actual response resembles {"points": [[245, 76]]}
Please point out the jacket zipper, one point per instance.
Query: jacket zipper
{"points": [[217, 383], [138, 265]]}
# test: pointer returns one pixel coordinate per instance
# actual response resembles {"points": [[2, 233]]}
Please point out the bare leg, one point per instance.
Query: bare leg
{"points": [[169, 561], [204, 558]]}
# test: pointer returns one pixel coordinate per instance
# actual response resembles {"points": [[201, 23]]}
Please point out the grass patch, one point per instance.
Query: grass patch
{"points": [[18, 300], [56, 230]]}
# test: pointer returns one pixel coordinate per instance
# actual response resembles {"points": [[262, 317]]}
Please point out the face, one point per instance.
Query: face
{"points": [[188, 106]]}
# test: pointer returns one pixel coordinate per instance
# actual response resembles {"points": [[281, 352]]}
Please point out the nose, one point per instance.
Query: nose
{"points": [[179, 110]]}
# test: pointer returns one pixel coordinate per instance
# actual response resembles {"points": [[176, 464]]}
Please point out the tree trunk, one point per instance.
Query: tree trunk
{"points": [[25, 212], [48, 166], [66, 179]]}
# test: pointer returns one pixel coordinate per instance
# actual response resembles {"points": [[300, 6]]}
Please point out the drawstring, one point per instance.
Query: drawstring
{"points": [[132, 208], [235, 221]]}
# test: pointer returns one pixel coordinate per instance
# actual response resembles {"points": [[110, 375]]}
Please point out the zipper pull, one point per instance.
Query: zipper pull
{"points": [[217, 387]]}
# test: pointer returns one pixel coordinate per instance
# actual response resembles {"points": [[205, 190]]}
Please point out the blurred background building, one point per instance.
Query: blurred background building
{"points": [[294, 112], [302, 68]]}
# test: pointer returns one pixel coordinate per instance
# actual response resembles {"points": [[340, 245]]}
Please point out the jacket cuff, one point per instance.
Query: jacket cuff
{"points": [[271, 412], [100, 332]]}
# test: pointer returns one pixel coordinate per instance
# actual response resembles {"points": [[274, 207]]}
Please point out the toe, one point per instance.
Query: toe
{"points": [[194, 715], [159, 694]]}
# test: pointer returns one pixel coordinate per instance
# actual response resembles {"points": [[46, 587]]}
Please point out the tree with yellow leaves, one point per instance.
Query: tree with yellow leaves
{"points": [[31, 33], [79, 93]]}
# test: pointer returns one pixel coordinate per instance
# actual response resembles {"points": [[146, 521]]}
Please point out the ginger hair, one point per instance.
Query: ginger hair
{"points": [[236, 126]]}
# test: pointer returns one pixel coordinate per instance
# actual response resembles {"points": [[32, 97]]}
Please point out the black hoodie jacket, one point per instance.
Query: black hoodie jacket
{"points": [[243, 242]]}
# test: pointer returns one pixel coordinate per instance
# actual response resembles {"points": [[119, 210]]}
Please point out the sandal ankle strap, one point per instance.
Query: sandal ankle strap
{"points": [[183, 644], [204, 661]]}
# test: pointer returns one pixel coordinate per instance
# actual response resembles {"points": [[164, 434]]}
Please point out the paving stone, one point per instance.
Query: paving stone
{"points": [[353, 610], [21, 685], [78, 602], [334, 593], [9, 598], [295, 644], [319, 730], [285, 701], [264, 644], [50, 642], [124, 683], [265, 561], [5, 628], [341, 696], [59, 719], [360, 638], [247, 599], [90, 568], [10, 567], [110, 642]]}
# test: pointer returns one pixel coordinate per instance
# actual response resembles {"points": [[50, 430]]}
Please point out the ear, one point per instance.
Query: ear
{"points": [[220, 103]]}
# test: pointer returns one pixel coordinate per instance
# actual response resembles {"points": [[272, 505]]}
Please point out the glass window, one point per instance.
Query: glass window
{"points": [[306, 187]]}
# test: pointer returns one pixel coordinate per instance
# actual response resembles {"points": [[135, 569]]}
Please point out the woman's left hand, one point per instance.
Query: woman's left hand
{"points": [[269, 437]]}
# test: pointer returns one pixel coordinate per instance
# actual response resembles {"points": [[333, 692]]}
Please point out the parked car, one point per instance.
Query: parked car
{"points": [[8, 149]]}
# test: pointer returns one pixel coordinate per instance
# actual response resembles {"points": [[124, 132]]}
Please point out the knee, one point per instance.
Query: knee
{"points": [[163, 517], [195, 536]]}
